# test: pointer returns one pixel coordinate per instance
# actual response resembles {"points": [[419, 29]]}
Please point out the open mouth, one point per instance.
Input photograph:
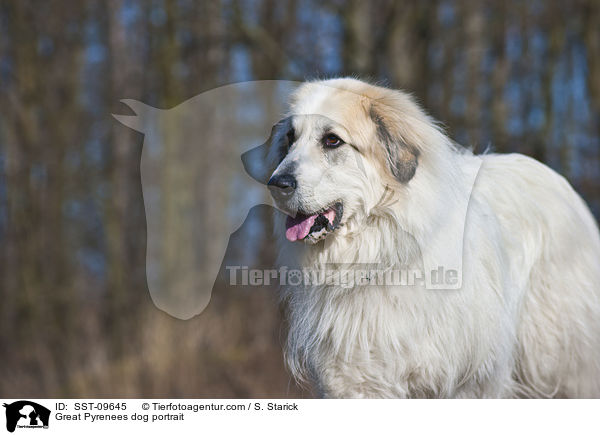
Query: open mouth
{"points": [[314, 227]]}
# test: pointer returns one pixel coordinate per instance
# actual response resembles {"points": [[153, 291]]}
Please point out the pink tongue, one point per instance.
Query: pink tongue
{"points": [[298, 227]]}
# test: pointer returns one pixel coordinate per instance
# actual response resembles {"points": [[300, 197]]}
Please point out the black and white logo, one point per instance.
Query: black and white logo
{"points": [[26, 414]]}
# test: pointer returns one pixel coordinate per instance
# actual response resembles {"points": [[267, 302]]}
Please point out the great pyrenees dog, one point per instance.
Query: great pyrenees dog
{"points": [[366, 177]]}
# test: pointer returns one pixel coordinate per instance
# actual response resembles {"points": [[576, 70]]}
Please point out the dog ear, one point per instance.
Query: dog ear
{"points": [[402, 157], [260, 162], [255, 163]]}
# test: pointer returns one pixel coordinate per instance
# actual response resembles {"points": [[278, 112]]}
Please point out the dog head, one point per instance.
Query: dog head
{"points": [[344, 145]]}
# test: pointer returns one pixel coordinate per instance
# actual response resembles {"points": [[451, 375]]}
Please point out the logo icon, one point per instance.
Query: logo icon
{"points": [[26, 414], [185, 147]]}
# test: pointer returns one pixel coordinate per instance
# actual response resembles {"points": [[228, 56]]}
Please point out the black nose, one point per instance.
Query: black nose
{"points": [[282, 185]]}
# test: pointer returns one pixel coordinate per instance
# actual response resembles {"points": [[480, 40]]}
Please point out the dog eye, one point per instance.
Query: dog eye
{"points": [[332, 141]]}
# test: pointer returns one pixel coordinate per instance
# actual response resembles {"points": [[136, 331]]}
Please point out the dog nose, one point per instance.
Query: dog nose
{"points": [[282, 185]]}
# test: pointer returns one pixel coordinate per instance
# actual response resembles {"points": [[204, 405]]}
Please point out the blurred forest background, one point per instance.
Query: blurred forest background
{"points": [[76, 319]]}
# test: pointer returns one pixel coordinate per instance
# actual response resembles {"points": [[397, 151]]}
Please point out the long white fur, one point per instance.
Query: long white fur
{"points": [[526, 322]]}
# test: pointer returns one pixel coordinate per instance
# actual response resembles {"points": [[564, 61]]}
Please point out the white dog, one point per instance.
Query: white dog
{"points": [[369, 179]]}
